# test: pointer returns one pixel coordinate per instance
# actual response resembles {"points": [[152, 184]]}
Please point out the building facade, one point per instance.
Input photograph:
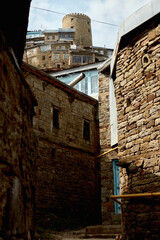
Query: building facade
{"points": [[67, 171], [17, 141], [110, 181], [137, 89]]}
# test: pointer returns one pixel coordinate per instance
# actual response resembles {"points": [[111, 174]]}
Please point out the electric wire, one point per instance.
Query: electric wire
{"points": [[47, 10]]}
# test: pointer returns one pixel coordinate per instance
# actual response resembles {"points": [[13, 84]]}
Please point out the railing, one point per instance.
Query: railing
{"points": [[135, 195]]}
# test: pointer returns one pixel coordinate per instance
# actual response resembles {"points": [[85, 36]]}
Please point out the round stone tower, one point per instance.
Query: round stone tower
{"points": [[82, 25]]}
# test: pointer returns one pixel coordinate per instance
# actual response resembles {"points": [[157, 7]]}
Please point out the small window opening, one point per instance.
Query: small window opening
{"points": [[53, 152], [128, 102], [55, 118], [86, 130], [145, 60], [43, 58]]}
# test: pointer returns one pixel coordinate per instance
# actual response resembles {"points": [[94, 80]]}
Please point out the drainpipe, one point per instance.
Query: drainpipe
{"points": [[77, 80]]}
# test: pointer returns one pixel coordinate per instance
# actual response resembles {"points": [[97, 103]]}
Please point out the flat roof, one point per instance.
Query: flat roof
{"points": [[59, 30]]}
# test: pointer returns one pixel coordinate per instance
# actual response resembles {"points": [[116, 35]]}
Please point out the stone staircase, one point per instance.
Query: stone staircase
{"points": [[103, 232]]}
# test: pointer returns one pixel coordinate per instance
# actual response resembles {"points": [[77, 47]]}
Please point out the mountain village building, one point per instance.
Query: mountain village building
{"points": [[65, 47]]}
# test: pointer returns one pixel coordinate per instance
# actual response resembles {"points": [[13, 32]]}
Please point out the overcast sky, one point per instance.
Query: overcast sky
{"points": [[111, 11]]}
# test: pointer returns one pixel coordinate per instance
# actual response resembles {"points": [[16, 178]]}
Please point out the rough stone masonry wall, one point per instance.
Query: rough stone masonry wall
{"points": [[107, 205], [137, 87], [17, 150], [67, 191]]}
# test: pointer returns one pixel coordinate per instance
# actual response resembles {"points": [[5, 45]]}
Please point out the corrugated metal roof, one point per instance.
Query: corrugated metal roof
{"points": [[77, 69]]}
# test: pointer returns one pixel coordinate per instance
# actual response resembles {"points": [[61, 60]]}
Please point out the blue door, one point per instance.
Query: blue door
{"points": [[117, 207]]}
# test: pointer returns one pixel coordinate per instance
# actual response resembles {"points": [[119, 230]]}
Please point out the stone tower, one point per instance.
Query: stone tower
{"points": [[82, 25]]}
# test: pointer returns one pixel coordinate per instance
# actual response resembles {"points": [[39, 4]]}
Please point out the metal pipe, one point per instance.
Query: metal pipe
{"points": [[136, 195], [107, 152], [119, 202], [77, 80]]}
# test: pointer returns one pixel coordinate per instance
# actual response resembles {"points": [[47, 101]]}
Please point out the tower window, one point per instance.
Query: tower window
{"points": [[72, 19], [86, 130]]}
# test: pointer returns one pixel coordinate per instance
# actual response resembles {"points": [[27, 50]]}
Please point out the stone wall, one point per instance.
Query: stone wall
{"points": [[137, 87], [17, 149], [82, 25], [107, 186], [67, 189]]}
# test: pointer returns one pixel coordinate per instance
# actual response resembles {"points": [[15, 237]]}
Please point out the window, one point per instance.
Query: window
{"points": [[53, 37], [76, 59], [72, 19], [84, 85], [84, 59], [66, 35], [43, 58], [86, 130], [77, 86], [34, 50], [63, 47], [58, 66], [94, 84], [47, 37], [65, 56], [55, 117], [56, 55], [87, 59]]}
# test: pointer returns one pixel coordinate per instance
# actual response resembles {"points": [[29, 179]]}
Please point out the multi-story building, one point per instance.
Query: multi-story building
{"points": [[65, 47]]}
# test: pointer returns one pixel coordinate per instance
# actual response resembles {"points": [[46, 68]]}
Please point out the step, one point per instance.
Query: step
{"points": [[101, 236], [103, 229]]}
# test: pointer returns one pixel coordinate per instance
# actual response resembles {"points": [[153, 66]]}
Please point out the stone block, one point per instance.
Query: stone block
{"points": [[149, 163], [158, 30], [138, 65], [157, 121], [152, 35]]}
